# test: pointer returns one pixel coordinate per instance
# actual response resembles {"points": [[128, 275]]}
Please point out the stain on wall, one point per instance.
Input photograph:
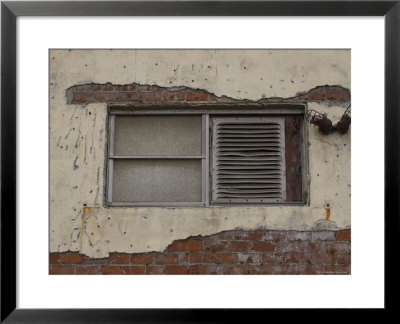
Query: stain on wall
{"points": [[79, 221]]}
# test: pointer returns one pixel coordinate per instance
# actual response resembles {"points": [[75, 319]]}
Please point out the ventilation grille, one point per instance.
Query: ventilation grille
{"points": [[248, 160]]}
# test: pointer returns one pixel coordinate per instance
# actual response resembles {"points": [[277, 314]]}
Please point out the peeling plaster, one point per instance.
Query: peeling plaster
{"points": [[95, 88], [78, 219]]}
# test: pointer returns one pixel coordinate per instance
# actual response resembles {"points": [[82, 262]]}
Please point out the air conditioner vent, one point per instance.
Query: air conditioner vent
{"points": [[248, 164]]}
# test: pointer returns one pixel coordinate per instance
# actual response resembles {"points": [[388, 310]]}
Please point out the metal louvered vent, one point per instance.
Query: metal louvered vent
{"points": [[248, 160]]}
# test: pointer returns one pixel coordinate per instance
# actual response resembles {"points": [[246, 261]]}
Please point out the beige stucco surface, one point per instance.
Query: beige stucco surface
{"points": [[78, 144]]}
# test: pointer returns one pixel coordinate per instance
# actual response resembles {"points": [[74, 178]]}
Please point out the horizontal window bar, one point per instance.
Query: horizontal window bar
{"points": [[160, 157]]}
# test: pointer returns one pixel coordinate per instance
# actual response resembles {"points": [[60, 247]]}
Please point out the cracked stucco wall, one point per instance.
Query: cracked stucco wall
{"points": [[78, 220]]}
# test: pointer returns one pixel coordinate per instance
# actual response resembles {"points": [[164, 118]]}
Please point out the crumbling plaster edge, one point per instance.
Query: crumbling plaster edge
{"points": [[319, 226], [222, 99]]}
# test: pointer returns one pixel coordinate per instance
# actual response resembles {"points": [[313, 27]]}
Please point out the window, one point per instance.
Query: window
{"points": [[205, 157]]}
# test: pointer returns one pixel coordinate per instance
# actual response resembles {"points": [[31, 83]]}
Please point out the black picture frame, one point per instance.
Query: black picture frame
{"points": [[11, 10]]}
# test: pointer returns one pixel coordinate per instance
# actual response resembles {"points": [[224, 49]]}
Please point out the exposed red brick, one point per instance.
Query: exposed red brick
{"points": [[298, 269], [216, 245], [84, 97], [311, 269], [129, 96], [191, 246], [338, 94], [110, 270], [235, 269], [314, 247], [224, 257], [201, 257], [174, 247], [248, 235], [183, 257], [166, 259], [316, 95], [326, 258], [142, 258], [196, 96], [99, 96], [120, 88], [107, 87], [297, 257], [341, 247], [118, 258], [92, 261], [151, 93], [87, 270], [111, 96], [240, 246], [54, 258], [205, 269], [127, 87], [174, 96], [154, 269], [231, 252], [343, 259], [249, 257], [343, 236], [274, 236], [272, 257], [137, 269], [153, 97], [228, 235], [260, 269], [179, 270], [336, 269], [152, 88], [62, 270], [133, 270], [93, 87], [263, 246], [71, 258]]}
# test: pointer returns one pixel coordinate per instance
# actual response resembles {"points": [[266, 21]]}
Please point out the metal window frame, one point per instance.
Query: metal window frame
{"points": [[207, 113]]}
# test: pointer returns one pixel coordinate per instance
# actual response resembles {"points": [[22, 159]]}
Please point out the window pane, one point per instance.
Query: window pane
{"points": [[157, 135], [157, 181]]}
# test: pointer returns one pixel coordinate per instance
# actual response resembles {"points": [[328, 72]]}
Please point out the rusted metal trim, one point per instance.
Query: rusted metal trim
{"points": [[294, 165]]}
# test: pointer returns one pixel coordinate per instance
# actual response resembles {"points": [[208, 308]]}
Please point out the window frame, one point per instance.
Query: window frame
{"points": [[207, 113], [111, 157]]}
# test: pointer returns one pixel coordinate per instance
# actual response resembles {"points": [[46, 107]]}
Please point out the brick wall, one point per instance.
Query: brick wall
{"points": [[231, 252], [152, 94]]}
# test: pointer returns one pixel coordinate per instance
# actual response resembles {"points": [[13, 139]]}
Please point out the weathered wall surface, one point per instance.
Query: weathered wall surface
{"points": [[78, 219], [242, 252]]}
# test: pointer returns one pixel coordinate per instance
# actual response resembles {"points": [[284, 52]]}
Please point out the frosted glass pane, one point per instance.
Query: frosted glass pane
{"points": [[157, 181], [157, 135]]}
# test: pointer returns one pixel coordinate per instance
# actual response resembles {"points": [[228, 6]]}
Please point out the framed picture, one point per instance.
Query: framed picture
{"points": [[252, 144]]}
